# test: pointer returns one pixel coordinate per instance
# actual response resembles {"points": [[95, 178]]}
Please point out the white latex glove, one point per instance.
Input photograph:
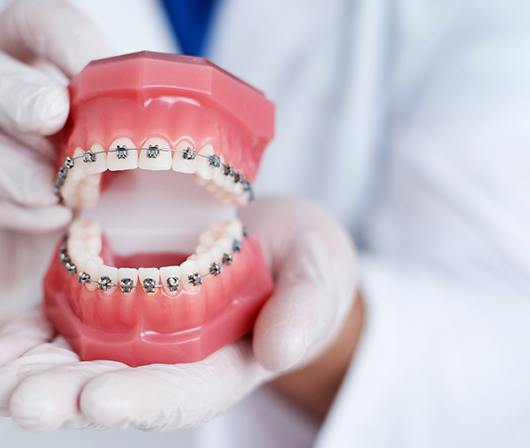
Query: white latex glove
{"points": [[52, 35], [43, 386]]}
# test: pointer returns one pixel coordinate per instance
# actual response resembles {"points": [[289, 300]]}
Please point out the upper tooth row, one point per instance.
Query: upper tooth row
{"points": [[79, 255], [156, 154]]}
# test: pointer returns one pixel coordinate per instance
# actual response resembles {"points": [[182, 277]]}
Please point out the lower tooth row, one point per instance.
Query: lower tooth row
{"points": [[189, 275]]}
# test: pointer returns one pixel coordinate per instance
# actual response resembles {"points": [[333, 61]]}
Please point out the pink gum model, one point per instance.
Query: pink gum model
{"points": [[158, 112]]}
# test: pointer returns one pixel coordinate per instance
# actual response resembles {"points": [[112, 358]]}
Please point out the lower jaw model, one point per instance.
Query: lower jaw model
{"points": [[156, 267]]}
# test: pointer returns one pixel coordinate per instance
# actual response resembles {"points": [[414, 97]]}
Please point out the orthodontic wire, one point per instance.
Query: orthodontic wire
{"points": [[67, 262], [69, 163], [236, 244]]}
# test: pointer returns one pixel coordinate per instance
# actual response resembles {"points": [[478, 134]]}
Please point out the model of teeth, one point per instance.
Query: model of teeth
{"points": [[161, 294]]}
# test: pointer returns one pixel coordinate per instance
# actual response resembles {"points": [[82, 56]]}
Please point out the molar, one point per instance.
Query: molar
{"points": [[182, 164], [223, 246], [81, 250], [155, 155], [78, 170], [122, 155], [88, 191], [200, 249], [82, 228], [234, 228], [207, 238]]}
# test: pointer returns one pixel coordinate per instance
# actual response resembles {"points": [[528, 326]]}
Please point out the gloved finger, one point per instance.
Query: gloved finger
{"points": [[170, 397], [25, 178], [38, 359], [315, 278], [22, 334], [36, 144], [48, 400], [33, 219], [53, 30], [29, 100]]}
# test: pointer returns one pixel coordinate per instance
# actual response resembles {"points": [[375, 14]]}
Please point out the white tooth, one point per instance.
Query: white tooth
{"points": [[78, 154], [235, 229], [225, 245], [79, 169], [160, 162], [85, 228], [229, 184], [77, 227], [76, 252], [216, 254], [170, 272], [77, 172], [179, 163], [188, 268], [148, 273], [128, 273], [218, 227], [241, 199], [110, 272], [92, 229], [219, 177], [207, 238], [238, 189], [82, 246], [130, 162], [92, 267], [204, 169], [100, 164], [71, 183], [200, 249], [93, 245], [82, 260], [68, 193], [74, 246], [203, 262], [88, 191]]}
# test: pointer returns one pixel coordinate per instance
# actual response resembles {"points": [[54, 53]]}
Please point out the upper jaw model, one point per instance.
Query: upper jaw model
{"points": [[157, 153]]}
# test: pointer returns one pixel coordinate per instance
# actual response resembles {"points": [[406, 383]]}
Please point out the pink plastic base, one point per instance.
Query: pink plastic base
{"points": [[138, 345]]}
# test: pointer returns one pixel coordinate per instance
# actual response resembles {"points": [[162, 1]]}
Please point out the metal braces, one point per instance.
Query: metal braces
{"points": [[152, 152], [149, 285]]}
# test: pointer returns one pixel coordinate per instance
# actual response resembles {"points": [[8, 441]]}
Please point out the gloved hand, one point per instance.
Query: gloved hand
{"points": [[54, 36], [43, 386]]}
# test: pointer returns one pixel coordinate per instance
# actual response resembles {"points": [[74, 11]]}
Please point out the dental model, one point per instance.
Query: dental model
{"points": [[156, 267]]}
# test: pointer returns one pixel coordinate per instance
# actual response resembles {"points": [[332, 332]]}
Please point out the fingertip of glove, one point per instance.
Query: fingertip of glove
{"points": [[51, 107], [95, 404], [36, 220], [277, 351], [32, 413]]}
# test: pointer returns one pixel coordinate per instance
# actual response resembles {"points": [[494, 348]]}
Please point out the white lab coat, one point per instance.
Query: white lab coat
{"points": [[410, 121]]}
